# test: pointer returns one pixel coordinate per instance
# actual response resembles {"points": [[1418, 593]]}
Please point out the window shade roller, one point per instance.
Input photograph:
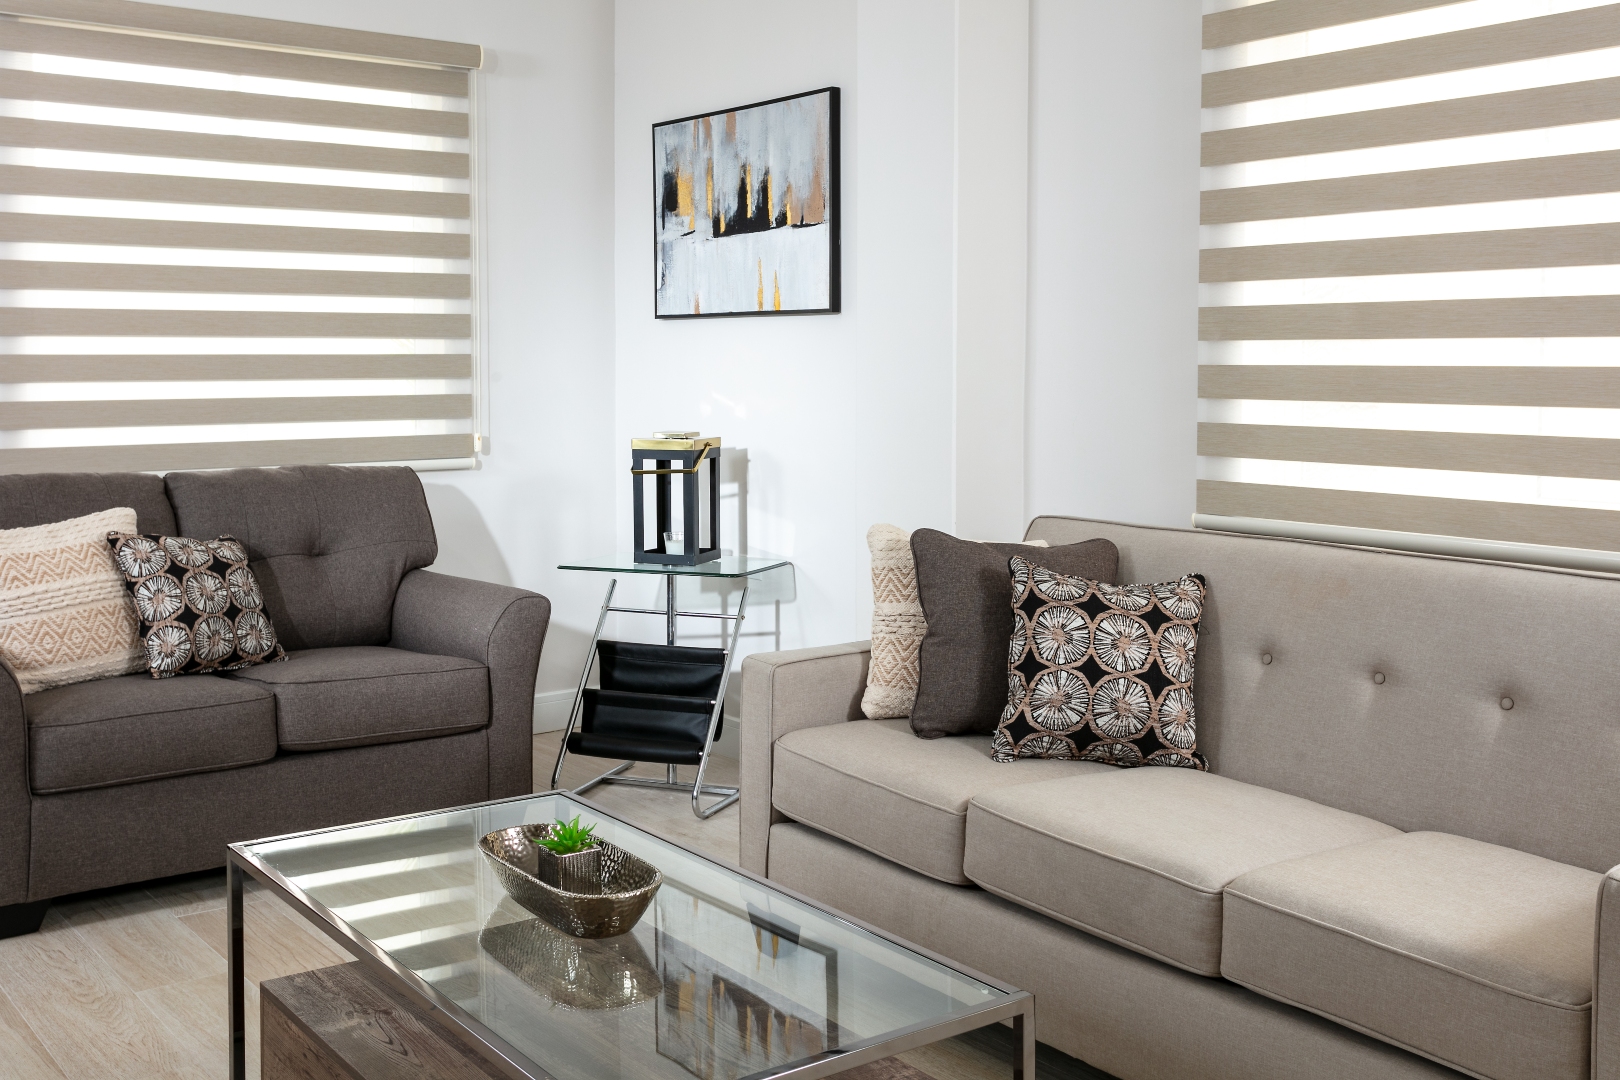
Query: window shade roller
{"points": [[216, 254], [1411, 276]]}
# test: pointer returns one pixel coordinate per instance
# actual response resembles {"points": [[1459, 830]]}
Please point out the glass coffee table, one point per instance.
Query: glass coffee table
{"points": [[726, 977]]}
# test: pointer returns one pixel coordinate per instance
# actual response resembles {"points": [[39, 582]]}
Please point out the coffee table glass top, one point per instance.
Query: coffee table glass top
{"points": [[722, 978]]}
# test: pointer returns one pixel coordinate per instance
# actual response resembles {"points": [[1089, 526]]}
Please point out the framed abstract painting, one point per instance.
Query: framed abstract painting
{"points": [[746, 210]]}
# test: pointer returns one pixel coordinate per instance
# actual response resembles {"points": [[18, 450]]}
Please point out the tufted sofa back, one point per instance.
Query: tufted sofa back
{"points": [[1497, 714], [29, 499], [329, 544]]}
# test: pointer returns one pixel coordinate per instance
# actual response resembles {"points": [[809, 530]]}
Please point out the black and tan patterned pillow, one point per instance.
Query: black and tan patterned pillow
{"points": [[1101, 672], [199, 605]]}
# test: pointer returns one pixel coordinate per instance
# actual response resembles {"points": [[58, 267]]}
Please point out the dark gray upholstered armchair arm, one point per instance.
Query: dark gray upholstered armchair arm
{"points": [[14, 797], [500, 627]]}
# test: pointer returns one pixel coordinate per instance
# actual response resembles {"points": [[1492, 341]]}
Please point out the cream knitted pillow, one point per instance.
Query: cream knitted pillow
{"points": [[65, 615], [897, 625]]}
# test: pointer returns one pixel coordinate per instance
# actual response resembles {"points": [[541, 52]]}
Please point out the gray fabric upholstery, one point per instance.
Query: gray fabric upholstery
{"points": [[1140, 856], [1430, 747], [1131, 1016], [1475, 955], [495, 625], [134, 727], [783, 692], [365, 694], [877, 785], [1606, 982], [329, 543], [109, 836], [42, 498], [965, 589], [15, 798]]}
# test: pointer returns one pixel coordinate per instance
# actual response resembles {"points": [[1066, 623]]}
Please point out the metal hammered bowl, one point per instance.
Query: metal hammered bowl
{"points": [[627, 884]]}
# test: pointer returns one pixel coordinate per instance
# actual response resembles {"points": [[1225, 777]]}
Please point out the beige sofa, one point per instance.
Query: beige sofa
{"points": [[1397, 866]]}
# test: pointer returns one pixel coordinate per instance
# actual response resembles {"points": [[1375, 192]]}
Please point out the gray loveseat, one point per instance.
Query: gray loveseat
{"points": [[1400, 865], [405, 690]]}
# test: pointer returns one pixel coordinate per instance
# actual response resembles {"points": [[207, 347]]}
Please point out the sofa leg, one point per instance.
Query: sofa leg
{"points": [[19, 919]]}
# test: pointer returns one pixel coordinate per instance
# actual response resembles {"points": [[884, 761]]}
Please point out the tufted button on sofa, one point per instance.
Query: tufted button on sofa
{"points": [[1396, 866]]}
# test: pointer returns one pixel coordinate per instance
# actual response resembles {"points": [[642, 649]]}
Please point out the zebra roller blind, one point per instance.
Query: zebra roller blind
{"points": [[1410, 275], [229, 241]]}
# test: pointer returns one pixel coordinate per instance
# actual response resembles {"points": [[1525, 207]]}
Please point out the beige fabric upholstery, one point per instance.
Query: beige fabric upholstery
{"points": [[1131, 1016], [65, 614], [882, 788], [783, 692], [1606, 983], [1430, 747], [1140, 856], [1475, 955]]}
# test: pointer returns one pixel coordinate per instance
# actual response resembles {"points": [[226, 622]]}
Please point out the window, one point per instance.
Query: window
{"points": [[228, 241], [1410, 275]]}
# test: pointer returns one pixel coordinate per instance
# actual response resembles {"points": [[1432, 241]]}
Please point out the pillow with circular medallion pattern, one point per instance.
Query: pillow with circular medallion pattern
{"points": [[199, 605], [1100, 672]]}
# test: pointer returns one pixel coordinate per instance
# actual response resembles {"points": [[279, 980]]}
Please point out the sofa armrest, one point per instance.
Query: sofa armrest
{"points": [[15, 799], [500, 627], [1606, 982], [783, 692]]}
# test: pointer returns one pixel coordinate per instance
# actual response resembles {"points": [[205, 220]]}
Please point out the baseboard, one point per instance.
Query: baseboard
{"points": [[551, 710]]}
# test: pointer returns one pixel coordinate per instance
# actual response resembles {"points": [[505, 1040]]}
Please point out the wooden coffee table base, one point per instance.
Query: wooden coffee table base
{"points": [[339, 1023]]}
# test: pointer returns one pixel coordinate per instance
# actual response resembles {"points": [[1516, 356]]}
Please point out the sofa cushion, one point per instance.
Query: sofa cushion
{"points": [[963, 586], [199, 606], [364, 694], [1140, 856], [133, 728], [878, 786], [328, 543], [1101, 672], [64, 614], [1477, 956]]}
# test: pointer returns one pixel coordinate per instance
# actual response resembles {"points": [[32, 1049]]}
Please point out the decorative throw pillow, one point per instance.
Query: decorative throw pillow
{"points": [[199, 605], [1101, 672], [64, 615], [897, 625], [962, 585]]}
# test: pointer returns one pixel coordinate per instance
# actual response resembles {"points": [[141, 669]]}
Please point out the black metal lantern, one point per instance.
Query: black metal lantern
{"points": [[683, 469]]}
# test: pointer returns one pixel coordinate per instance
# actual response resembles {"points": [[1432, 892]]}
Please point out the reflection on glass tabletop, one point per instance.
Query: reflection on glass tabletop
{"points": [[725, 566], [722, 978]]}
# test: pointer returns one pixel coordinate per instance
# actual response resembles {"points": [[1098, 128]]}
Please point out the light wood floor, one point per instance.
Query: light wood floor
{"points": [[129, 984]]}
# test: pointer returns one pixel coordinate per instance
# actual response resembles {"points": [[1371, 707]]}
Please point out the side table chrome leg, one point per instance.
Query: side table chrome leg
{"points": [[235, 972], [669, 607], [731, 794], [1024, 1043], [579, 691]]}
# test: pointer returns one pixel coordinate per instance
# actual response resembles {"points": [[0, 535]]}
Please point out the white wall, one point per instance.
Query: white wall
{"points": [[1113, 324], [545, 491], [846, 419]]}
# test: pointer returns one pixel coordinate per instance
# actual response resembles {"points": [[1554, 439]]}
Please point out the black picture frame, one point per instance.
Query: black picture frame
{"points": [[834, 213]]}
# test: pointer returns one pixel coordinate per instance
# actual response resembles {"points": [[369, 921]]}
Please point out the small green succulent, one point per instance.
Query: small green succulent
{"points": [[568, 837]]}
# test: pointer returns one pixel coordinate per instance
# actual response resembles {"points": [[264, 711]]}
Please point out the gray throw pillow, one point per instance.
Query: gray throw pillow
{"points": [[963, 586]]}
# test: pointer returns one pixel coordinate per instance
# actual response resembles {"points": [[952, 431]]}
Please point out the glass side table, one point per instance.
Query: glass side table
{"points": [[657, 703]]}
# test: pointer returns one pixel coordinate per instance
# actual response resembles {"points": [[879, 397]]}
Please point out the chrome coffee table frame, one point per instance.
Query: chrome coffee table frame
{"points": [[1018, 1007]]}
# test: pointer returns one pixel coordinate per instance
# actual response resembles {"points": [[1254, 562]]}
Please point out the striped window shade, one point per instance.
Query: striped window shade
{"points": [[230, 241], [1410, 275]]}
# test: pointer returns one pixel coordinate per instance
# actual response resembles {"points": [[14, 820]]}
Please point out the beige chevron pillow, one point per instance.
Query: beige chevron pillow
{"points": [[65, 615], [897, 625]]}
